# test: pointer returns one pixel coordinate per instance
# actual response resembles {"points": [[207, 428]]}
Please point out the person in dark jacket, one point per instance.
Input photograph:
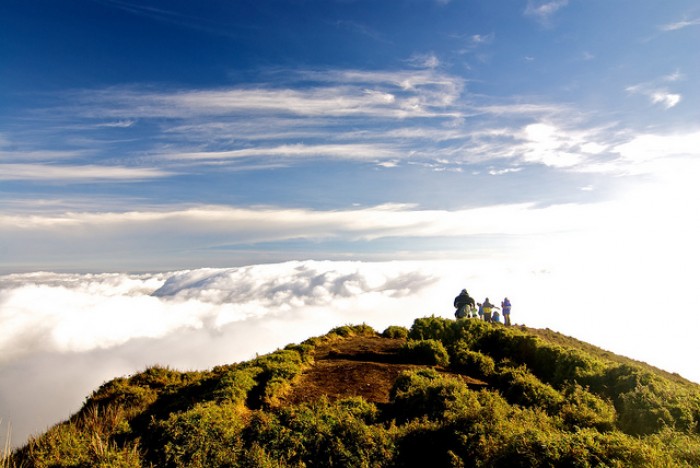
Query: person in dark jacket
{"points": [[463, 303]]}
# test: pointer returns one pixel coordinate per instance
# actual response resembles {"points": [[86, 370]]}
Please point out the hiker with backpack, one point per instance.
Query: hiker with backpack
{"points": [[464, 303], [505, 306]]}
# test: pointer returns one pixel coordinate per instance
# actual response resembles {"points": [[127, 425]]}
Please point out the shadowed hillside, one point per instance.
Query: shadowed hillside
{"points": [[443, 393]]}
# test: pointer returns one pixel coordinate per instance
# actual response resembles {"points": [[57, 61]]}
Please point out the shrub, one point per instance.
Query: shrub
{"points": [[353, 330], [319, 434], [470, 362], [205, 436], [582, 409], [520, 387], [429, 328], [306, 351], [395, 332], [430, 352], [236, 383], [424, 393]]}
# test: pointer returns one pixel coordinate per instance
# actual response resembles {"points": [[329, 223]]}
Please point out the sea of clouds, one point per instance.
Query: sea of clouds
{"points": [[62, 335]]}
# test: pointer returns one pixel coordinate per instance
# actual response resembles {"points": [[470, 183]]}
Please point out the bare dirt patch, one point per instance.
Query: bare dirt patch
{"points": [[357, 366]]}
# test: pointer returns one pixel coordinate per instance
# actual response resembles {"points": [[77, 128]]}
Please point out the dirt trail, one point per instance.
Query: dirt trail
{"points": [[358, 366]]}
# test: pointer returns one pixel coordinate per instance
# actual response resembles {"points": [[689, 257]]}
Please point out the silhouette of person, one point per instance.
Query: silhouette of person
{"points": [[505, 306], [463, 302], [487, 308]]}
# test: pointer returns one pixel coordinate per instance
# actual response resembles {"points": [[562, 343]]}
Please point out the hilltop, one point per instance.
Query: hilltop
{"points": [[443, 393]]}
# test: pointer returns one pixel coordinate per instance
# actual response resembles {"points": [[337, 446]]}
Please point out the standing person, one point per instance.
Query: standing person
{"points": [[505, 306], [481, 311], [487, 307], [463, 303]]}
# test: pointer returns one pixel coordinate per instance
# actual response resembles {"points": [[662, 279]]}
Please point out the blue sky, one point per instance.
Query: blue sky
{"points": [[282, 167], [118, 107]]}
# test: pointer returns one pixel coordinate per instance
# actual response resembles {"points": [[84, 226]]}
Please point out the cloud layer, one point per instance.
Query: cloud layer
{"points": [[421, 115]]}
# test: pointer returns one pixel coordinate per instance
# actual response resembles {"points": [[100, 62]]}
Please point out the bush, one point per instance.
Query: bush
{"points": [[520, 387], [395, 332], [347, 331], [205, 436], [236, 383], [470, 362], [582, 409], [319, 434], [424, 393], [430, 352], [430, 328]]}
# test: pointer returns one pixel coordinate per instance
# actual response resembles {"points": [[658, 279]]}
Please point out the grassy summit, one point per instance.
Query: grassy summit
{"points": [[443, 393]]}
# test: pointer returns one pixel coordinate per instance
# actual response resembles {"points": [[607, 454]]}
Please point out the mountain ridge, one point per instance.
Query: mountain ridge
{"points": [[468, 393]]}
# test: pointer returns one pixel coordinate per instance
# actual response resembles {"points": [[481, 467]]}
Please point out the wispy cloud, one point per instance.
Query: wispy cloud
{"points": [[338, 114], [71, 173], [480, 39], [267, 224], [338, 93], [656, 95], [203, 232], [349, 151], [542, 11], [117, 124], [429, 61], [20, 156], [682, 24]]}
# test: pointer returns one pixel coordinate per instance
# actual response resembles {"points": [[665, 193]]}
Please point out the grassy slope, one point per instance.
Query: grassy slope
{"points": [[467, 394]]}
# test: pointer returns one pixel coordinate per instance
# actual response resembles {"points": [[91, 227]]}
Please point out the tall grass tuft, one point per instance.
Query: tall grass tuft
{"points": [[5, 455]]}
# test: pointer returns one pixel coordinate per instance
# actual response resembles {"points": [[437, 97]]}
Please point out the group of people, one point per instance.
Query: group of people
{"points": [[467, 308]]}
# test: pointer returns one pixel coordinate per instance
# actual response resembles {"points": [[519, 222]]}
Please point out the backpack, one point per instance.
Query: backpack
{"points": [[461, 311]]}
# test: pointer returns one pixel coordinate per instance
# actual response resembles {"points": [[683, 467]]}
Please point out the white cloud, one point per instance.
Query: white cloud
{"points": [[78, 313], [680, 24], [339, 93], [221, 225], [85, 173], [547, 145], [479, 39], [507, 170], [665, 98], [347, 151], [429, 61], [656, 93], [543, 10], [649, 147], [117, 124]]}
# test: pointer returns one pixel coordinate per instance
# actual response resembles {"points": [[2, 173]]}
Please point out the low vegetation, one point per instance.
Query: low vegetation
{"points": [[469, 394]]}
